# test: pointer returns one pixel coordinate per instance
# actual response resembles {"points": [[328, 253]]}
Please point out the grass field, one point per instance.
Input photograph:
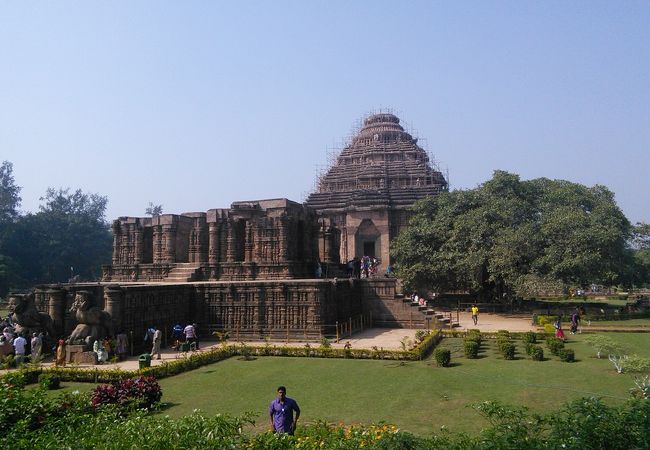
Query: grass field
{"points": [[417, 396]]}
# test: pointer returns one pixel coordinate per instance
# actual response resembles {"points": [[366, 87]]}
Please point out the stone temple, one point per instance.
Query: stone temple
{"points": [[251, 269], [368, 192]]}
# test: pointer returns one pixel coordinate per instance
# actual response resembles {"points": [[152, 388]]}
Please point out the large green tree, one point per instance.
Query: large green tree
{"points": [[9, 203], [67, 236], [509, 238]]}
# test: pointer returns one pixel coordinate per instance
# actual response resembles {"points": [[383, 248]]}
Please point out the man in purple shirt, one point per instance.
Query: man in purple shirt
{"points": [[281, 412]]}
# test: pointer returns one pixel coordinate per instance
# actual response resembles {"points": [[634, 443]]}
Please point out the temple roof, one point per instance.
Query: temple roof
{"points": [[382, 166]]}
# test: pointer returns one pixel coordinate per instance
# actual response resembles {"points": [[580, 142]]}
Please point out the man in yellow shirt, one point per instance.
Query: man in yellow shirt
{"points": [[475, 314]]}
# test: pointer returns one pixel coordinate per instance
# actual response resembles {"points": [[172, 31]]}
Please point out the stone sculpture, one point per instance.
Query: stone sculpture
{"points": [[93, 323], [27, 318]]}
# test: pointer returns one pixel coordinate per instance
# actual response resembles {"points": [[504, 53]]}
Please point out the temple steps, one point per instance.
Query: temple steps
{"points": [[182, 273]]}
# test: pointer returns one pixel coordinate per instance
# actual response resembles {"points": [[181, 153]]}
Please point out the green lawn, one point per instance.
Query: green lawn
{"points": [[417, 396], [617, 323]]}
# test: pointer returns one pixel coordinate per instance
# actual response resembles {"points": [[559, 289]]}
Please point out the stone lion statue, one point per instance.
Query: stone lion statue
{"points": [[27, 318], [93, 323]]}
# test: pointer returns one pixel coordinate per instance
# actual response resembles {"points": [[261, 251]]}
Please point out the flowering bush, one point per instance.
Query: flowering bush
{"points": [[141, 392]]}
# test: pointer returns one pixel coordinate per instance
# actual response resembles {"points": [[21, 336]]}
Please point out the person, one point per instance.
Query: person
{"points": [[190, 335], [177, 332], [475, 314], [389, 271], [281, 412], [319, 270], [148, 335], [60, 354], [108, 346], [157, 338], [575, 321], [19, 347], [36, 345], [98, 348], [122, 345], [558, 328]]}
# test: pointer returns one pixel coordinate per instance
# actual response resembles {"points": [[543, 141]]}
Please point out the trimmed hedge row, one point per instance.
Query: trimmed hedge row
{"points": [[199, 359]]}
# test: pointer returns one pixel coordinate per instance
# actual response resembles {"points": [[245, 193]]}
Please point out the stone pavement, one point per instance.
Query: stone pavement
{"points": [[387, 338]]}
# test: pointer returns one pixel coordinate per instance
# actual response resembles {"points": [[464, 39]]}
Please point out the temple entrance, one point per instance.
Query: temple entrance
{"points": [[369, 249], [367, 240]]}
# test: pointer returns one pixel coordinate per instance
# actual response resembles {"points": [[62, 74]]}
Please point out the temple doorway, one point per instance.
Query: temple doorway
{"points": [[369, 248], [367, 239]]}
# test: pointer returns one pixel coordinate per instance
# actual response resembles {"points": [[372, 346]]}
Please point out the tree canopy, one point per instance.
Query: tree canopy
{"points": [[67, 236], [509, 237]]}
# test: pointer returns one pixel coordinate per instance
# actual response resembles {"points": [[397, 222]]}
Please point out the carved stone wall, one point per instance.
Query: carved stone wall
{"points": [[266, 239], [288, 309]]}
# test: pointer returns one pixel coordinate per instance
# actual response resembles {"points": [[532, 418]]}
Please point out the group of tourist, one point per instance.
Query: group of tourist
{"points": [[575, 323], [180, 335], [108, 348], [364, 267], [17, 344]]}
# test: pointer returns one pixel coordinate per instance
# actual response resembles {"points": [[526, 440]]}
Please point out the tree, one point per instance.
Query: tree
{"points": [[153, 210], [9, 193], [509, 237], [68, 235]]}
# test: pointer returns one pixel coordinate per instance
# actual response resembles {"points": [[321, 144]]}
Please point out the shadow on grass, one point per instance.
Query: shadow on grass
{"points": [[164, 406], [397, 364]]}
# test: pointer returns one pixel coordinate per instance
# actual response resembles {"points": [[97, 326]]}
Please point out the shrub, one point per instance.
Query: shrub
{"points": [[554, 345], [502, 342], [566, 355], [503, 333], [49, 381], [15, 379], [529, 337], [471, 349], [442, 356], [420, 335], [141, 392], [508, 350], [536, 353]]}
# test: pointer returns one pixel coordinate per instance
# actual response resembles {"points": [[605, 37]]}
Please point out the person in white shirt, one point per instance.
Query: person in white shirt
{"points": [[157, 338], [19, 345]]}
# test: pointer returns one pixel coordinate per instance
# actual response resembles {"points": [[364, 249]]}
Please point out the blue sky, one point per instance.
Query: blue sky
{"points": [[196, 104]]}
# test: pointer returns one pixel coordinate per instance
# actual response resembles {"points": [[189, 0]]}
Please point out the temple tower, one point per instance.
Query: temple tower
{"points": [[367, 192]]}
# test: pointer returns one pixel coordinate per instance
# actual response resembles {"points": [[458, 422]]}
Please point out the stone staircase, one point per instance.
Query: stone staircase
{"points": [[444, 320], [391, 309], [182, 273]]}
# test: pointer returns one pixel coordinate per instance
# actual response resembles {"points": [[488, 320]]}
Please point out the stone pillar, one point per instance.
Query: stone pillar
{"points": [[138, 244], [56, 309], [117, 231], [157, 244], [231, 242], [213, 242], [249, 242], [113, 300], [169, 243], [282, 239]]}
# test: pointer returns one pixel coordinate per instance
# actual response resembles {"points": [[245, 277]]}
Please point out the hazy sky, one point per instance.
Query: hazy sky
{"points": [[196, 104]]}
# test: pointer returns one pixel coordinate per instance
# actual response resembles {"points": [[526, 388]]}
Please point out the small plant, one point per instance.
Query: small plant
{"points": [[442, 356], [642, 389], [406, 343], [567, 355], [15, 379], [536, 353], [471, 349], [604, 345], [325, 343], [49, 381], [420, 335], [245, 351], [529, 337], [554, 345], [508, 350], [222, 336]]}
